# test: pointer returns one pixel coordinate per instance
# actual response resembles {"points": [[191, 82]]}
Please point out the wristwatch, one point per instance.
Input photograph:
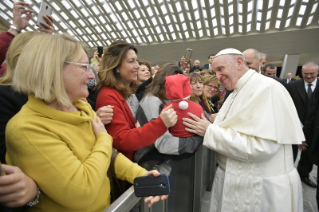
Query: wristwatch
{"points": [[36, 199], [15, 28]]}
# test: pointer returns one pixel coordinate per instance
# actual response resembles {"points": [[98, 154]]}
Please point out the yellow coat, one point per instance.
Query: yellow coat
{"points": [[60, 151]]}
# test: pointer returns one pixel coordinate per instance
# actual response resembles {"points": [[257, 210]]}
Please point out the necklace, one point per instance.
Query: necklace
{"points": [[236, 95]]}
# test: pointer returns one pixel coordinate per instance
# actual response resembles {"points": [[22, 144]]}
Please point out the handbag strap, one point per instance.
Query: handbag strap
{"points": [[114, 182]]}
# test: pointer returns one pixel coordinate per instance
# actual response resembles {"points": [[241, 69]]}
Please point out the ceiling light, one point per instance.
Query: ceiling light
{"points": [[118, 6], [299, 20], [287, 22], [277, 26], [212, 12], [291, 10], [302, 9], [250, 6], [215, 31], [74, 14], [258, 26], [248, 28], [231, 30], [271, 3], [310, 20], [279, 14], [230, 9], [314, 8], [267, 25]]}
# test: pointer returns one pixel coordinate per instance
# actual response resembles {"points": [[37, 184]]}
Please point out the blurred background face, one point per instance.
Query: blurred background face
{"points": [[211, 89], [197, 87], [143, 73], [271, 72], [196, 63], [309, 73], [210, 59], [289, 75], [251, 60]]}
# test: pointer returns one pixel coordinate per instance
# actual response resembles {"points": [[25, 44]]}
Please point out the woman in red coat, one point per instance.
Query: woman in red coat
{"points": [[118, 71]]}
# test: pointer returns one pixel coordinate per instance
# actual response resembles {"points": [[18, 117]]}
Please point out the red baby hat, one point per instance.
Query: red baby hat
{"points": [[178, 87]]}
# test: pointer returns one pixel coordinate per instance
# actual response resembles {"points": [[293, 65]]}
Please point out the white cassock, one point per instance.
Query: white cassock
{"points": [[252, 135]]}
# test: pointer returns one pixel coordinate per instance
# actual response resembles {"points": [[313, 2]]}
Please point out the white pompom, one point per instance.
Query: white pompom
{"points": [[183, 105]]}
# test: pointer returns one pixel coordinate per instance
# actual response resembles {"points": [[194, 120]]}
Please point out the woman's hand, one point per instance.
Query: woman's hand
{"points": [[16, 188], [98, 126], [183, 63], [21, 15], [153, 199], [169, 117], [105, 113], [196, 125], [49, 27]]}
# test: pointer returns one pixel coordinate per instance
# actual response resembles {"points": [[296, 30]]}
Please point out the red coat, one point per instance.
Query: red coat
{"points": [[127, 138], [5, 40]]}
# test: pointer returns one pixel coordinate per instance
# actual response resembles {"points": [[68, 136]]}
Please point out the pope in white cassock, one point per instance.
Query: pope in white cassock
{"points": [[252, 136]]}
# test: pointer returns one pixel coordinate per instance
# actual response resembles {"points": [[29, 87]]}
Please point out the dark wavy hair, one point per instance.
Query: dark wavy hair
{"points": [[157, 87], [111, 61]]}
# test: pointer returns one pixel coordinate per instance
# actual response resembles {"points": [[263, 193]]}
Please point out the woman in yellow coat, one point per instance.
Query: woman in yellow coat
{"points": [[56, 138]]}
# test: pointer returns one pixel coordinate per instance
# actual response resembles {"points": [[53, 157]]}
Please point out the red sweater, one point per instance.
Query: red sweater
{"points": [[5, 40], [127, 138]]}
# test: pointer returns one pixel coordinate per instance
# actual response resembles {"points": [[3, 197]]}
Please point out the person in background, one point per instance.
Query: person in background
{"points": [[303, 93], [206, 72], [62, 136], [263, 57], [144, 72], [198, 96], [118, 72], [270, 70], [21, 17], [210, 59], [212, 92], [16, 189], [196, 66], [289, 78]]}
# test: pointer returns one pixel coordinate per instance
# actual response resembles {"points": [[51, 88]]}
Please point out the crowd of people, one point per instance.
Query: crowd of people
{"points": [[70, 125]]}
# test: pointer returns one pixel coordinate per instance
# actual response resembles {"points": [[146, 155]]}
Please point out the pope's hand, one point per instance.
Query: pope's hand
{"points": [[196, 125]]}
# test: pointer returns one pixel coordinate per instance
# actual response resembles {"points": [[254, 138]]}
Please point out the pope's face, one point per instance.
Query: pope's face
{"points": [[226, 71]]}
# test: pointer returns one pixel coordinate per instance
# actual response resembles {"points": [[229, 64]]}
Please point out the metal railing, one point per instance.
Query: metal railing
{"points": [[203, 164]]}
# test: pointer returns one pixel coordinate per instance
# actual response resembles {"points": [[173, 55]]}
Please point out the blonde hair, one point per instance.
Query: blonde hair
{"points": [[212, 78], [39, 68], [13, 54], [111, 61], [204, 71], [194, 77]]}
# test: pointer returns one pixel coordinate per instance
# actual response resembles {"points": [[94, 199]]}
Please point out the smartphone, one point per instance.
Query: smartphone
{"points": [[188, 54], [2, 172], [146, 186], [45, 9], [100, 51]]}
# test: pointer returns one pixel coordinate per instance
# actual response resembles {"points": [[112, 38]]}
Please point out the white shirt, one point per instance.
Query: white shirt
{"points": [[313, 87]]}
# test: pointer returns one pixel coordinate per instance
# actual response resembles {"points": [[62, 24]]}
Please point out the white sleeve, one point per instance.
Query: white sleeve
{"points": [[239, 146]]}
